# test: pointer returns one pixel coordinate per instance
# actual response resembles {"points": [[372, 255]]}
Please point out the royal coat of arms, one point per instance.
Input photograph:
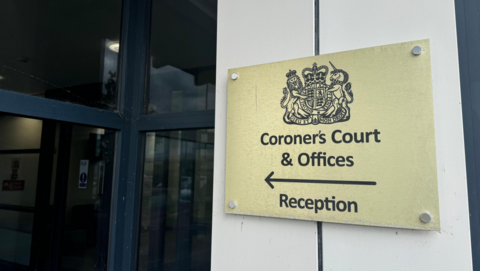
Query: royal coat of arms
{"points": [[317, 102]]}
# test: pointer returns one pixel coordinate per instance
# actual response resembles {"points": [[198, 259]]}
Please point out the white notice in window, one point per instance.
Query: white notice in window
{"points": [[83, 174]]}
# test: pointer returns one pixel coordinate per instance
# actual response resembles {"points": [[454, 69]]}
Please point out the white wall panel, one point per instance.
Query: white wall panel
{"points": [[353, 24], [253, 32]]}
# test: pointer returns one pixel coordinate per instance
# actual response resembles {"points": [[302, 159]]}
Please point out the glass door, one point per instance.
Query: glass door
{"points": [[82, 198], [176, 219], [124, 68], [55, 198], [19, 160], [59, 70]]}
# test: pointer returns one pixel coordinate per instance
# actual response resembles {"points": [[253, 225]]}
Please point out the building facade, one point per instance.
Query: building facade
{"points": [[113, 133]]}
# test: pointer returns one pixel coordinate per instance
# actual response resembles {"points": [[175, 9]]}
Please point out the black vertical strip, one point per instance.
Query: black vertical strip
{"points": [[61, 185], [468, 30], [148, 61], [320, 246], [317, 27], [317, 52], [42, 216]]}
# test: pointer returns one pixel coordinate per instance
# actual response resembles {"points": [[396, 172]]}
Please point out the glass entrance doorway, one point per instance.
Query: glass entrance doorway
{"points": [[142, 76], [55, 196]]}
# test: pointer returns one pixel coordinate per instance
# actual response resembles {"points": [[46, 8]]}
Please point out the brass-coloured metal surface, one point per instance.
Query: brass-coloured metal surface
{"points": [[297, 138]]}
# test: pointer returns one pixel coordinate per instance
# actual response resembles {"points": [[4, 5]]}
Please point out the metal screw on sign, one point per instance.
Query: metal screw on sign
{"points": [[232, 204], [425, 217], [234, 76], [417, 50]]}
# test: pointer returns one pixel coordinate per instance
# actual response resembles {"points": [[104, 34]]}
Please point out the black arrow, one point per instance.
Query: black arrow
{"points": [[269, 181]]}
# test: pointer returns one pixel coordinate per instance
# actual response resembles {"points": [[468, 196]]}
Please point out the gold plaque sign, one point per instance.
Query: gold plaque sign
{"points": [[345, 138]]}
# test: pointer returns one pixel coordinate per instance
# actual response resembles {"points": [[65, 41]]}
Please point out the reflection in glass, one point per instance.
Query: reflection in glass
{"points": [[16, 229], [183, 56], [19, 159], [87, 205], [176, 222], [51, 218], [62, 50]]}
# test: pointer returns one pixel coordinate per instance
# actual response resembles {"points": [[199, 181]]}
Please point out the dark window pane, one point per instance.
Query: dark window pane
{"points": [[19, 161], [176, 222], [56, 182], [16, 234], [86, 220], [63, 50], [183, 56]]}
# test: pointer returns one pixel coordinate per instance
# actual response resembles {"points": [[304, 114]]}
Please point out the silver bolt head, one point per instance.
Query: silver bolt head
{"points": [[417, 50], [234, 76], [425, 217], [232, 204]]}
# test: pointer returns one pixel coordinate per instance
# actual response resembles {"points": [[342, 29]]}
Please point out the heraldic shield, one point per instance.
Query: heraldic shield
{"points": [[317, 102]]}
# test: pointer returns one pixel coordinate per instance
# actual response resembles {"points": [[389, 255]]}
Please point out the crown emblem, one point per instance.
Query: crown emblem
{"points": [[317, 101], [315, 75], [291, 73]]}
